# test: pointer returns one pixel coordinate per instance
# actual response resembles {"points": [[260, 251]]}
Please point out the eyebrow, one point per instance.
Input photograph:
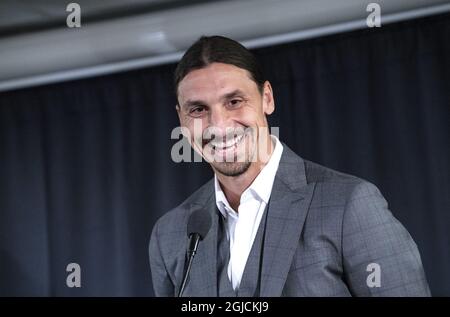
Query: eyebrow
{"points": [[192, 103], [235, 93]]}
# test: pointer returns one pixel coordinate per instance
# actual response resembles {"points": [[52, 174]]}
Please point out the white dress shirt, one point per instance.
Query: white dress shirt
{"points": [[242, 226]]}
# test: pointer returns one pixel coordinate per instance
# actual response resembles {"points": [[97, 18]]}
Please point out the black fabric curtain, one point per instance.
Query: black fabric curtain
{"points": [[85, 166]]}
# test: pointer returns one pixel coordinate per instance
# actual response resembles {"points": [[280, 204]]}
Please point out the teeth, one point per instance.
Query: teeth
{"points": [[224, 145]]}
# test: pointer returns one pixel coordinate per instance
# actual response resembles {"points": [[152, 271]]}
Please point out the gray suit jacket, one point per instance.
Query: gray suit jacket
{"points": [[324, 230]]}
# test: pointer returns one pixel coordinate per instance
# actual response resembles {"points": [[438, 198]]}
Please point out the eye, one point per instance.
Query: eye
{"points": [[197, 111], [234, 103]]}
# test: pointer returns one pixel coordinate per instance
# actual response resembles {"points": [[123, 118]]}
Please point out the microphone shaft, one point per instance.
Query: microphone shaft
{"points": [[193, 245]]}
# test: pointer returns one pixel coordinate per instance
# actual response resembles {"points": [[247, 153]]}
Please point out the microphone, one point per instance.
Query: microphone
{"points": [[198, 226]]}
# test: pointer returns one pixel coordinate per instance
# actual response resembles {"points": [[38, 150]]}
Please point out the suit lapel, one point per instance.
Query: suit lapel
{"points": [[288, 208]]}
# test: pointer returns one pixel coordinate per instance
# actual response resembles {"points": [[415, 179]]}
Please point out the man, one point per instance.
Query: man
{"points": [[281, 225]]}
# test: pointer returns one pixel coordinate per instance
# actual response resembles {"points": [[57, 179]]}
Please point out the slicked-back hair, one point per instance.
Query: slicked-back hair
{"points": [[218, 49]]}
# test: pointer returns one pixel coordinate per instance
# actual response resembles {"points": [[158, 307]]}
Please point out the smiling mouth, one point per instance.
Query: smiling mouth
{"points": [[222, 147], [229, 144]]}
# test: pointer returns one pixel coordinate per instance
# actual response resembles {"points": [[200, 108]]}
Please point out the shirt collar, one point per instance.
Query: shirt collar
{"points": [[261, 186]]}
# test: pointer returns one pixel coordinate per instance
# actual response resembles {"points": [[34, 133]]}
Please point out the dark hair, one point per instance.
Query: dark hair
{"points": [[218, 49]]}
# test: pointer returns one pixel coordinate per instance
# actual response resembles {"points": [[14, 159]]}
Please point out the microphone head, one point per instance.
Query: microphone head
{"points": [[200, 223]]}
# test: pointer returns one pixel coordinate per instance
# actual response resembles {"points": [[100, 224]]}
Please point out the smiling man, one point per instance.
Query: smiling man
{"points": [[230, 108], [281, 225]]}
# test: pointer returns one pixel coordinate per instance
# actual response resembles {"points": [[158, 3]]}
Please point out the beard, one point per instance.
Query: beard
{"points": [[231, 168], [229, 164], [239, 162]]}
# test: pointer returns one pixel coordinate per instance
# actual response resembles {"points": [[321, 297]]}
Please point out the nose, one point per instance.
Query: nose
{"points": [[219, 119]]}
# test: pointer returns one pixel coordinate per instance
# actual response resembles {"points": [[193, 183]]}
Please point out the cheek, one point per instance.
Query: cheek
{"points": [[251, 116], [186, 120], [195, 127]]}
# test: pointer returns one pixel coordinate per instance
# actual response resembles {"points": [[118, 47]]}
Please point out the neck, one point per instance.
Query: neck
{"points": [[234, 186]]}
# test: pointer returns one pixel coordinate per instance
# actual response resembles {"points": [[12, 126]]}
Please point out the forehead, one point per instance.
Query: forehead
{"points": [[214, 80]]}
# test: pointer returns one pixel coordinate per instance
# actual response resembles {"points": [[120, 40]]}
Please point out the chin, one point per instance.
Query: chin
{"points": [[232, 169]]}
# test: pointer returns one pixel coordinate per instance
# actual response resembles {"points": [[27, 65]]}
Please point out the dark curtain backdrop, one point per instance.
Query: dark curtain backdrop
{"points": [[85, 167]]}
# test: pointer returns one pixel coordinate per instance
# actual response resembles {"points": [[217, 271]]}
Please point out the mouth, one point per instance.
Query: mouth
{"points": [[222, 148]]}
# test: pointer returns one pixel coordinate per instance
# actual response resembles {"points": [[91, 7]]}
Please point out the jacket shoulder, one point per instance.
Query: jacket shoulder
{"points": [[316, 173], [175, 220]]}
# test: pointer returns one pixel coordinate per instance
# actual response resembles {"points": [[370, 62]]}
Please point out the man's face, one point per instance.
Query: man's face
{"points": [[225, 114]]}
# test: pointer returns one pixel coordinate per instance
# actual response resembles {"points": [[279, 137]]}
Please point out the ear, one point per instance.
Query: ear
{"points": [[268, 102]]}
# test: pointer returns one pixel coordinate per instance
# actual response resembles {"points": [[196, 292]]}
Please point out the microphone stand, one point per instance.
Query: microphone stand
{"points": [[193, 245]]}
